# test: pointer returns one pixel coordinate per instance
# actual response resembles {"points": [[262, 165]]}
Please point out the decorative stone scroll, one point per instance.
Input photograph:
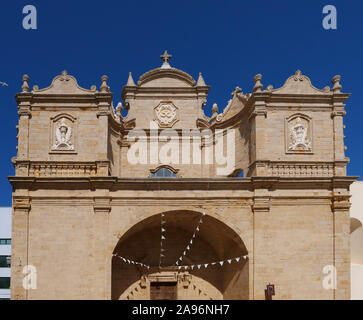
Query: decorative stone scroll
{"points": [[299, 134], [63, 134], [166, 114]]}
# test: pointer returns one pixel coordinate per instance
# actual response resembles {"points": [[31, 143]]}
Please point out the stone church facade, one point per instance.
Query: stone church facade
{"points": [[98, 221]]}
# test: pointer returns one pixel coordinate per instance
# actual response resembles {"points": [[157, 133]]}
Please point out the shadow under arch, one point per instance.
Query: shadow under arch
{"points": [[214, 242]]}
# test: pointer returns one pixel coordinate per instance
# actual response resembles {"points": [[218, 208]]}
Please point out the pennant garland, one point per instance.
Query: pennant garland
{"points": [[206, 265], [191, 240], [163, 237], [131, 261]]}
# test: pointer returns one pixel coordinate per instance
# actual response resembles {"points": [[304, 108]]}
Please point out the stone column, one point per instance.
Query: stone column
{"points": [[338, 126], [260, 209], [258, 130], [341, 243], [101, 279], [19, 248]]}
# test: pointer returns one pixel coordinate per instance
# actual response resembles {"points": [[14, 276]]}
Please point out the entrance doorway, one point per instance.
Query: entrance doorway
{"points": [[163, 291]]}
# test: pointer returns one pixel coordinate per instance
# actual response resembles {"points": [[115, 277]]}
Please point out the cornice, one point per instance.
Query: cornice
{"points": [[114, 183]]}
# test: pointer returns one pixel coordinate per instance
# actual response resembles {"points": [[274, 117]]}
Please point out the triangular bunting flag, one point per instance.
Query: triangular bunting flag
{"points": [[206, 265], [201, 221], [184, 253], [133, 262], [244, 257], [163, 222], [229, 261], [199, 265], [177, 262], [162, 238], [188, 248], [197, 228], [180, 258], [237, 259], [162, 250], [192, 267], [221, 263], [179, 267], [124, 260], [163, 230], [193, 235], [163, 215], [191, 241], [203, 213], [213, 263], [128, 261], [161, 255]]}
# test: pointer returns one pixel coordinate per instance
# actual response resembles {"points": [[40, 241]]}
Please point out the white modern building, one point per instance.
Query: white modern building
{"points": [[356, 230], [5, 252]]}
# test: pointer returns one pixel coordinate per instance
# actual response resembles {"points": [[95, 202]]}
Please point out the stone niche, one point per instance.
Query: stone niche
{"points": [[299, 135], [63, 136]]}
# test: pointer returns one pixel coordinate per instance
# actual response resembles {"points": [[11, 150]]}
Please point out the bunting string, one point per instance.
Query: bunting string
{"points": [[187, 248], [163, 237], [129, 261], [206, 265]]}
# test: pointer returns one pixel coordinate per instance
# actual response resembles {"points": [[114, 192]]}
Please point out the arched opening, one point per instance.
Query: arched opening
{"points": [[215, 242]]}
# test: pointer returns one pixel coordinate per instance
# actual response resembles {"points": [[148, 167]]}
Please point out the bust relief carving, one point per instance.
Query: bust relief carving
{"points": [[299, 134], [63, 134]]}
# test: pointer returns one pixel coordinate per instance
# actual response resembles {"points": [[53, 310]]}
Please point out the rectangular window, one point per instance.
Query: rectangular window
{"points": [[4, 261], [4, 283], [5, 241]]}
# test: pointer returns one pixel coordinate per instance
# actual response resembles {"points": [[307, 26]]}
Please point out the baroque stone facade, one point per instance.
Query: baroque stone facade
{"points": [[90, 219]]}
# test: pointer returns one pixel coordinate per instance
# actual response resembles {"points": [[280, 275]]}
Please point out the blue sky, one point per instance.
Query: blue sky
{"points": [[228, 41]]}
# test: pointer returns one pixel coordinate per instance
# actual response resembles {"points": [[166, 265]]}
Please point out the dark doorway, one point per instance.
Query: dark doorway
{"points": [[163, 291]]}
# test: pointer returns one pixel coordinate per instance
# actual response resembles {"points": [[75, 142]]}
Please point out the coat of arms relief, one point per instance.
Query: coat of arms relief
{"points": [[63, 130], [166, 114], [299, 134]]}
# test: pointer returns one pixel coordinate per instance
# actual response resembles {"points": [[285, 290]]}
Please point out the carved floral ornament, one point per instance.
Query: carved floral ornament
{"points": [[63, 131], [299, 134], [166, 114]]}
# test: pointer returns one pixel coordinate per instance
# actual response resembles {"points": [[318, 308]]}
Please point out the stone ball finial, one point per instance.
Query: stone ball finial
{"points": [[25, 86], [104, 87], [258, 85], [337, 87], [119, 109], [214, 109]]}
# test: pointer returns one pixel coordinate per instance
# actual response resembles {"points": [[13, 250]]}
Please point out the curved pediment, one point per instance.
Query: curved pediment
{"points": [[64, 84], [166, 77], [300, 84]]}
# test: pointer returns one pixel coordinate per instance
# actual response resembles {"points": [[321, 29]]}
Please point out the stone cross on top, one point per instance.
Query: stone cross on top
{"points": [[165, 57]]}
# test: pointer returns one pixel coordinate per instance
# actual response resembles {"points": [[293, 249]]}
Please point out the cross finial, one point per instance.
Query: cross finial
{"points": [[166, 56]]}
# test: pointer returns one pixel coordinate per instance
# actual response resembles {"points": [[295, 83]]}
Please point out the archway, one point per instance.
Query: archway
{"points": [[226, 278]]}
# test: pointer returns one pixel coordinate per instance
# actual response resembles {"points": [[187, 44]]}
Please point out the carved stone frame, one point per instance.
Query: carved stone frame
{"points": [[175, 120], [53, 121], [310, 133]]}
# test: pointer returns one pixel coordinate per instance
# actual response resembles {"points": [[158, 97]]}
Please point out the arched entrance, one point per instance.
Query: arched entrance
{"points": [[215, 242]]}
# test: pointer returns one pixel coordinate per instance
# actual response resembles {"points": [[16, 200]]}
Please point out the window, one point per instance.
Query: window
{"points": [[5, 261], [163, 173], [5, 241], [4, 283]]}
